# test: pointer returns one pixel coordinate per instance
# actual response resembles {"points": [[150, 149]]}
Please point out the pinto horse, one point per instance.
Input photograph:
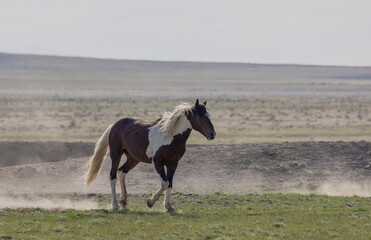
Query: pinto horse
{"points": [[161, 142]]}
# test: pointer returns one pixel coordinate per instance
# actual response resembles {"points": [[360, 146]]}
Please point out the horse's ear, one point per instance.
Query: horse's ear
{"points": [[197, 103], [205, 103]]}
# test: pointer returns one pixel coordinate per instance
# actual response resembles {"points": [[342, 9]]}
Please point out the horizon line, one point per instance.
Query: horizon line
{"points": [[184, 61]]}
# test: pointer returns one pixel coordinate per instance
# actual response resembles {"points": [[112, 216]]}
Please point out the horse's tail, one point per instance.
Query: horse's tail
{"points": [[95, 162]]}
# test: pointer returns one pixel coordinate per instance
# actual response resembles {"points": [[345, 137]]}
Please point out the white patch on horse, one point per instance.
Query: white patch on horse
{"points": [[121, 176], [115, 204], [162, 180], [123, 198], [170, 125], [167, 198], [156, 196]]}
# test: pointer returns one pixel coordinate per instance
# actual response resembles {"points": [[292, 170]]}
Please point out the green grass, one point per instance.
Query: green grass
{"points": [[216, 216]]}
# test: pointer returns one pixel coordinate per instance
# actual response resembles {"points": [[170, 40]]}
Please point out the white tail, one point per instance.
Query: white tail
{"points": [[95, 161]]}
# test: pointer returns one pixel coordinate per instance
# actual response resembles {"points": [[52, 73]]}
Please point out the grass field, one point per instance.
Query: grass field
{"points": [[216, 216]]}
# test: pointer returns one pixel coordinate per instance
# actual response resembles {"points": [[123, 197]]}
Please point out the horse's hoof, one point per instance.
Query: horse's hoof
{"points": [[123, 204], [149, 203], [169, 209], [115, 206]]}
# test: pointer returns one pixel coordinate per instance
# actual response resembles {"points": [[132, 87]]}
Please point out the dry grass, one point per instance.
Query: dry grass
{"points": [[244, 120]]}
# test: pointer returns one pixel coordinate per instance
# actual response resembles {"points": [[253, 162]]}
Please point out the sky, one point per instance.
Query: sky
{"points": [[324, 32]]}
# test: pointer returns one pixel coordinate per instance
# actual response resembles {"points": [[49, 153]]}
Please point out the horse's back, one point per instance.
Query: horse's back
{"points": [[131, 134]]}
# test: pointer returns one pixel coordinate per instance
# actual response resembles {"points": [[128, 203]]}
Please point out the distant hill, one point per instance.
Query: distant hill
{"points": [[19, 71], [38, 64]]}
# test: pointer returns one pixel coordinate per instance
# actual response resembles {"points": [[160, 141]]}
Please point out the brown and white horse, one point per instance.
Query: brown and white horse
{"points": [[161, 142]]}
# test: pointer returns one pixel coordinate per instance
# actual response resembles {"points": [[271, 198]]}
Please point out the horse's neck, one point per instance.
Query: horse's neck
{"points": [[182, 124], [182, 138], [178, 136], [181, 132]]}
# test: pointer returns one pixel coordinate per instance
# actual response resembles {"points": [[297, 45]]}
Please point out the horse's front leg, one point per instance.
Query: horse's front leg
{"points": [[159, 166], [170, 175]]}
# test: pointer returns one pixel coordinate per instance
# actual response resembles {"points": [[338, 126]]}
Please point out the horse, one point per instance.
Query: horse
{"points": [[161, 142]]}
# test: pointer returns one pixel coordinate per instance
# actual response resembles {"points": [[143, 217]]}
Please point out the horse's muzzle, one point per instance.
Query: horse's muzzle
{"points": [[211, 135]]}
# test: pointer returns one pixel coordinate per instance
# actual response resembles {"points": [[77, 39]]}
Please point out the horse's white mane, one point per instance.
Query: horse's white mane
{"points": [[169, 119], [170, 124]]}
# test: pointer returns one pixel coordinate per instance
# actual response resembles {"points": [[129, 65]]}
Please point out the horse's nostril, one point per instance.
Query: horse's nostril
{"points": [[212, 135]]}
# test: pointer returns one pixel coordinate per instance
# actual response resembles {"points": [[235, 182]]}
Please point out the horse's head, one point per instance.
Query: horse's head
{"points": [[200, 120]]}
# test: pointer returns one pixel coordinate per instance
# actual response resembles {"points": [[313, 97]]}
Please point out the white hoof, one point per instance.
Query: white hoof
{"points": [[115, 205]]}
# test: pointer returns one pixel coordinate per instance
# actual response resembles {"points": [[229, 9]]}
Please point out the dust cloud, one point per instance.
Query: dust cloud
{"points": [[46, 203], [344, 188], [326, 168]]}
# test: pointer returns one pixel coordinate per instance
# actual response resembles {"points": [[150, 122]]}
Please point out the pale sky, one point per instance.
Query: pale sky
{"points": [[332, 32]]}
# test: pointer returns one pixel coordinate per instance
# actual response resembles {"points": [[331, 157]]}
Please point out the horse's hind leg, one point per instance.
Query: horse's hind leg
{"points": [[123, 170], [116, 157]]}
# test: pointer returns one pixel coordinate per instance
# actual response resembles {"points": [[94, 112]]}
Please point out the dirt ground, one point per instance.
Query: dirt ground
{"points": [[334, 168]]}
